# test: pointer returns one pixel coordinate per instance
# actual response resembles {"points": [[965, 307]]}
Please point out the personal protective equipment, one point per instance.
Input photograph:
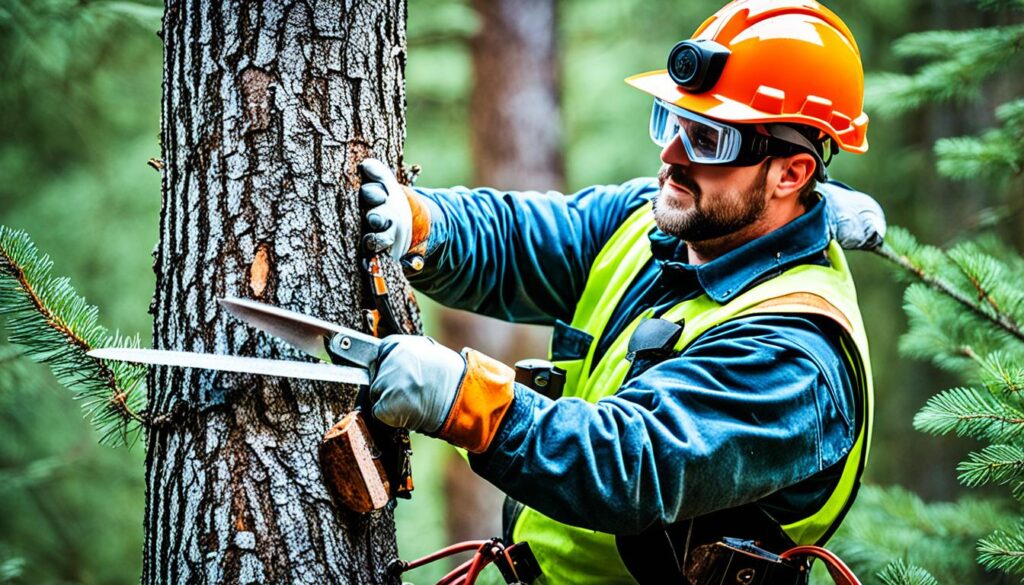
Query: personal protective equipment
{"points": [[396, 220], [777, 61], [808, 289], [713, 142], [422, 385], [855, 219]]}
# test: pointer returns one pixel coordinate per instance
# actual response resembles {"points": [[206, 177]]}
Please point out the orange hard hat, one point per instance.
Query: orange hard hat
{"points": [[768, 61]]}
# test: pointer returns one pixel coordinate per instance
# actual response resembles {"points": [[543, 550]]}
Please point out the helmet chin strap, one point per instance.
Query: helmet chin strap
{"points": [[794, 136]]}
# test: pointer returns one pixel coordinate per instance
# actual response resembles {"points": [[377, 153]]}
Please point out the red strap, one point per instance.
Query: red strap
{"points": [[837, 569]]}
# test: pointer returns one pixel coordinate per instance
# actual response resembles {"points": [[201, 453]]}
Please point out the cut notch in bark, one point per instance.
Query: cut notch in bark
{"points": [[259, 271]]}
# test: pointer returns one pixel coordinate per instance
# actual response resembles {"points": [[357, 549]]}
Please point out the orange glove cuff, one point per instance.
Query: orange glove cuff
{"points": [[420, 222], [484, 396]]}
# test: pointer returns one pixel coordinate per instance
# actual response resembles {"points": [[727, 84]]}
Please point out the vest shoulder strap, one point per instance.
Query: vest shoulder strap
{"points": [[803, 302]]}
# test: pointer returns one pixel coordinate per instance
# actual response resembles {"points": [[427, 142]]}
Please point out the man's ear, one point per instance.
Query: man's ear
{"points": [[795, 172]]}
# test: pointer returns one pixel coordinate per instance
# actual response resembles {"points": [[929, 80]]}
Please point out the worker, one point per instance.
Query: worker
{"points": [[717, 382]]}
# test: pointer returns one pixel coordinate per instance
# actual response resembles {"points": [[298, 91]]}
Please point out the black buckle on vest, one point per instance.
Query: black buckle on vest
{"points": [[541, 376], [741, 561], [654, 338]]}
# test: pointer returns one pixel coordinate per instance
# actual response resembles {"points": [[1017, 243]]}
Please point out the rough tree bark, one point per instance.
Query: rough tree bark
{"points": [[268, 107], [516, 141]]}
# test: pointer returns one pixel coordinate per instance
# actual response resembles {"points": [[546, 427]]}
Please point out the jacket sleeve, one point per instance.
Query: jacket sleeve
{"points": [[519, 256], [751, 407]]}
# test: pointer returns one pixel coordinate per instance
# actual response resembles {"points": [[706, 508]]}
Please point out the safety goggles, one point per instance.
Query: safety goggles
{"points": [[712, 142]]}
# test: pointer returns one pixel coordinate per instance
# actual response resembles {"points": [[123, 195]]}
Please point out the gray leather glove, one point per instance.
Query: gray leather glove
{"points": [[855, 219], [386, 211], [414, 382], [419, 384]]}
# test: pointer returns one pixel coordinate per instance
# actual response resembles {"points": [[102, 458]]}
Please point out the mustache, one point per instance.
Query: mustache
{"points": [[678, 175]]}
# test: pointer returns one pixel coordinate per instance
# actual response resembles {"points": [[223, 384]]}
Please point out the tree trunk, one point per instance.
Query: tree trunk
{"points": [[516, 139], [516, 123], [267, 109]]}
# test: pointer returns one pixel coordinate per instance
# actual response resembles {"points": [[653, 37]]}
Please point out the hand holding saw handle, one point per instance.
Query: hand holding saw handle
{"points": [[365, 462]]}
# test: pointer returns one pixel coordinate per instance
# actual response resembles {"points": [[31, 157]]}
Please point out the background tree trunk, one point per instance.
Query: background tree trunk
{"points": [[267, 109], [516, 142]]}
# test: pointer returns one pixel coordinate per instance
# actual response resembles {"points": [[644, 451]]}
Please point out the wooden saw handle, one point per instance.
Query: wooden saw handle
{"points": [[352, 469]]}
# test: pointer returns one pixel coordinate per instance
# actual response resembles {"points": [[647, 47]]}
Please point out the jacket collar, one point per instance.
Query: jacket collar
{"points": [[801, 241]]}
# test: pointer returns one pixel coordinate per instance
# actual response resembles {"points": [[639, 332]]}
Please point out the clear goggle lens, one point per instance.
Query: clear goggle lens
{"points": [[706, 141]]}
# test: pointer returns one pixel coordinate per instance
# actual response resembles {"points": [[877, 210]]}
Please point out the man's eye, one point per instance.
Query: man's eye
{"points": [[703, 138]]}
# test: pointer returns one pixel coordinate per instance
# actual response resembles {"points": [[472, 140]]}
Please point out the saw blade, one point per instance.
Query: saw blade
{"points": [[230, 363], [309, 334], [302, 331]]}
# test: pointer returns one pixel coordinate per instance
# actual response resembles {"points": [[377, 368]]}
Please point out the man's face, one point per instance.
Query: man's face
{"points": [[699, 202]]}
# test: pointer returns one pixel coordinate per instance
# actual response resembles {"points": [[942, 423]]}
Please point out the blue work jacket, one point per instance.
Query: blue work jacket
{"points": [[760, 409]]}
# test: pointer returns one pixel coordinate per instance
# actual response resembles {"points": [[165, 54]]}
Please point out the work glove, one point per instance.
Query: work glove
{"points": [[855, 219], [395, 217], [421, 385]]}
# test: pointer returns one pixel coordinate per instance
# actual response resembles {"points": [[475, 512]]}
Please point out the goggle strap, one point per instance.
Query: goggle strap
{"points": [[793, 136]]}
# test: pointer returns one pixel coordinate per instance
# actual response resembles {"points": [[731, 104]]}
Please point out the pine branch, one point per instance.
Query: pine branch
{"points": [[996, 153], [1000, 464], [993, 154], [891, 523], [1003, 551], [994, 316], [898, 573], [57, 327], [982, 271], [963, 61], [971, 413], [1004, 372]]}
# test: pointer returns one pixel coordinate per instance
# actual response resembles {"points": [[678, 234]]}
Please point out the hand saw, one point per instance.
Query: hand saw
{"points": [[365, 462]]}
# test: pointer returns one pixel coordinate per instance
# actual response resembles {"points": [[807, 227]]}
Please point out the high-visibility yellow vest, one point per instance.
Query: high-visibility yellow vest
{"points": [[568, 554]]}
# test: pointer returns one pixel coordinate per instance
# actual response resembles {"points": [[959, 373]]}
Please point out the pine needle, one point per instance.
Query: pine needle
{"points": [[919, 260], [898, 573], [1000, 464], [962, 61], [56, 327], [970, 413], [1003, 551]]}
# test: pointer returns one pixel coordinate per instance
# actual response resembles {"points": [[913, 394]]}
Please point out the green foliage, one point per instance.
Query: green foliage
{"points": [[11, 566], [1001, 464], [996, 153], [79, 108], [1000, 4], [889, 525], [965, 304], [961, 62], [72, 508], [965, 314], [898, 573], [968, 412], [963, 66], [1003, 551], [56, 326]]}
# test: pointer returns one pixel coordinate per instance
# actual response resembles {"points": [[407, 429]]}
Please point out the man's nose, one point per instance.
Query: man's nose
{"points": [[674, 153]]}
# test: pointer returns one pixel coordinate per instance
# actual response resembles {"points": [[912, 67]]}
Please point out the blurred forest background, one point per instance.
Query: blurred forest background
{"points": [[79, 118]]}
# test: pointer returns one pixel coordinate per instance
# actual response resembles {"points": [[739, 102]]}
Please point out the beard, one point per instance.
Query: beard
{"points": [[711, 217]]}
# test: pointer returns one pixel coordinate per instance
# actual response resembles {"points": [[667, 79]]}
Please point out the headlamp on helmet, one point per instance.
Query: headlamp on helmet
{"points": [[696, 65]]}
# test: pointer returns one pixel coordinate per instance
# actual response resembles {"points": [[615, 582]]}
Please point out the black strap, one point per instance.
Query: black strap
{"points": [[662, 554]]}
